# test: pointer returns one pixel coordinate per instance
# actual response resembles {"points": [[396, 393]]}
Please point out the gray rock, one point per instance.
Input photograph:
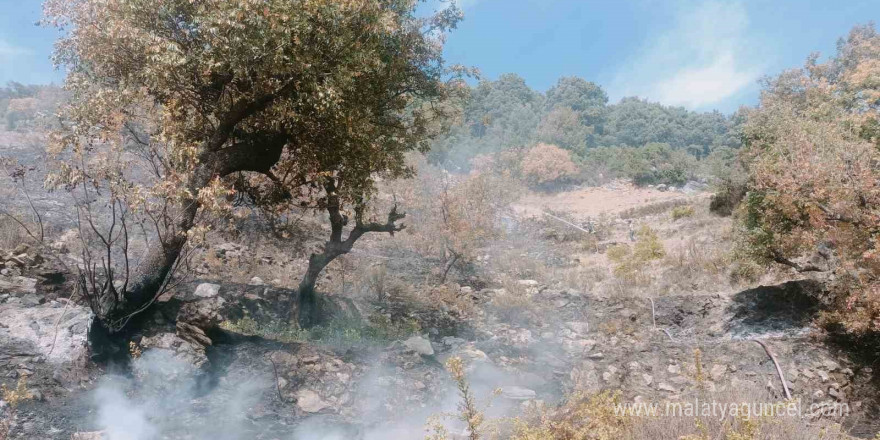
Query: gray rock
{"points": [[419, 345], [310, 402], [207, 290], [17, 285], [30, 300], [663, 386], [256, 281], [179, 348], [717, 372], [578, 326], [34, 325]]}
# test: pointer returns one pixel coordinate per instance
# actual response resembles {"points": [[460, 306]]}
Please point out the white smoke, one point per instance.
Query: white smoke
{"points": [[163, 397]]}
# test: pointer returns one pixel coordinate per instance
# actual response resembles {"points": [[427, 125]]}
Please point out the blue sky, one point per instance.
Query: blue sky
{"points": [[700, 54]]}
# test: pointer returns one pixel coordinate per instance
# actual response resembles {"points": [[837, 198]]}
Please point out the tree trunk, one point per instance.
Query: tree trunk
{"points": [[257, 155], [306, 306], [308, 312]]}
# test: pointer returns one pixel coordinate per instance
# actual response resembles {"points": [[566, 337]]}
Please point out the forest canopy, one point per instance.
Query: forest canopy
{"points": [[575, 114]]}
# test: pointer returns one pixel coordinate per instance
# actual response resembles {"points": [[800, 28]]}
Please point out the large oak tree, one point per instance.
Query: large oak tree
{"points": [[813, 156], [174, 100]]}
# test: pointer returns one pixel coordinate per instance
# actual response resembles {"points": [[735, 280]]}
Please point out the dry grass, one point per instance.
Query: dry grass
{"points": [[515, 302], [604, 416], [11, 233], [653, 209]]}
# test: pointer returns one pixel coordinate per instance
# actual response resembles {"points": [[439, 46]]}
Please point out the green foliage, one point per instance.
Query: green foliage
{"points": [[680, 212], [652, 164], [812, 158], [378, 330], [629, 262], [648, 245], [574, 114]]}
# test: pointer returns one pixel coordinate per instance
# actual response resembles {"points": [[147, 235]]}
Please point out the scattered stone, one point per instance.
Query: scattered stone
{"points": [[596, 356], [256, 281], [191, 353], [648, 379], [663, 386], [18, 285], [673, 369], [833, 392], [830, 365]]}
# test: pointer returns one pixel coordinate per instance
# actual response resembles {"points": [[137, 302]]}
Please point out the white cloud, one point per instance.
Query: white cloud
{"points": [[703, 58]]}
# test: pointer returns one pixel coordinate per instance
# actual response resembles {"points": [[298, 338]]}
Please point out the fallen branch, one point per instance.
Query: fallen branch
{"points": [[778, 369], [63, 312], [567, 222], [798, 267], [277, 384]]}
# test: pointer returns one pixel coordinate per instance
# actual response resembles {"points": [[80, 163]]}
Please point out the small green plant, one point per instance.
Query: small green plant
{"points": [[618, 253], [583, 416], [468, 411], [680, 212], [648, 245], [629, 263], [17, 395]]}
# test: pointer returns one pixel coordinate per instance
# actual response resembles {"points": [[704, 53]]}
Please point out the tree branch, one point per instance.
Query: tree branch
{"points": [[798, 267]]}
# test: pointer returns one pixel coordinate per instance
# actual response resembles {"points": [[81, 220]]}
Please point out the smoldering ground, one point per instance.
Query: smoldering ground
{"points": [[161, 396]]}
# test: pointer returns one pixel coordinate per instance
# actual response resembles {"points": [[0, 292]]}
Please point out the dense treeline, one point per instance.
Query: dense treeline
{"points": [[575, 115], [22, 105]]}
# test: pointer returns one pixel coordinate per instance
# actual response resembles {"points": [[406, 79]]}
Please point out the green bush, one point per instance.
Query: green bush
{"points": [[680, 212]]}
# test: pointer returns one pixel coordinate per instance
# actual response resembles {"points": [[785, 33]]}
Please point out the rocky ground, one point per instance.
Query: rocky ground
{"points": [[196, 373]]}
